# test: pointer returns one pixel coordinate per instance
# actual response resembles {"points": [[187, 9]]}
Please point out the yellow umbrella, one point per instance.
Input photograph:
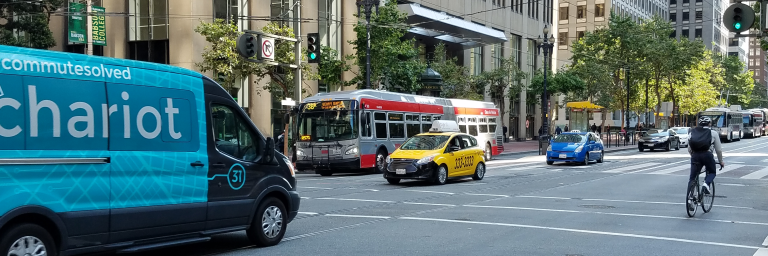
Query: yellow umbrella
{"points": [[582, 104]]}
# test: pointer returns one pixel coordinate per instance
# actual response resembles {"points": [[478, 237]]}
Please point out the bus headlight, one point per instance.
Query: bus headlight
{"points": [[351, 151], [299, 152]]}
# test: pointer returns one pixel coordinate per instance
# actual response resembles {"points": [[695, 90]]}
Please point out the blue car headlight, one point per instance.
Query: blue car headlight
{"points": [[578, 150]]}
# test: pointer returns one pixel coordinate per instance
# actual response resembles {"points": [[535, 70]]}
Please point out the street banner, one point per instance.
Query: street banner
{"points": [[77, 23], [99, 26]]}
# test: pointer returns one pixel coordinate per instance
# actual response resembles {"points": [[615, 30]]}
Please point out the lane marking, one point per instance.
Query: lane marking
{"points": [[353, 199], [584, 231], [309, 213], [673, 169], [729, 168], [765, 242], [734, 185], [630, 168], [374, 190], [756, 175], [629, 201], [616, 214], [471, 194], [358, 216], [315, 188], [429, 204], [427, 191], [761, 252]]}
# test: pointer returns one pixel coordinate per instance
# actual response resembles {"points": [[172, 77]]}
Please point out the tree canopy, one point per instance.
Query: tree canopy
{"points": [[26, 23]]}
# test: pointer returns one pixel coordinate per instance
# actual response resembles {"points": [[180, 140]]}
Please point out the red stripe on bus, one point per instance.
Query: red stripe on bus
{"points": [[477, 111], [402, 106], [368, 161], [496, 150]]}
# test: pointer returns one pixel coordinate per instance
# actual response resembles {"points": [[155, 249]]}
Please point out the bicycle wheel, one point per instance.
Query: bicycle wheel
{"points": [[708, 199], [691, 198]]}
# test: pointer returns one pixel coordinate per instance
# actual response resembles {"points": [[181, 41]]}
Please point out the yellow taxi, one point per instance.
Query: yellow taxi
{"points": [[438, 155]]}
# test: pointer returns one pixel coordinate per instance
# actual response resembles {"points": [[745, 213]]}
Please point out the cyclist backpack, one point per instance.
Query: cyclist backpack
{"points": [[700, 139]]}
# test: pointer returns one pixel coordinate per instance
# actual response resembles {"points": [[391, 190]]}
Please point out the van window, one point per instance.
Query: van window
{"points": [[232, 135]]}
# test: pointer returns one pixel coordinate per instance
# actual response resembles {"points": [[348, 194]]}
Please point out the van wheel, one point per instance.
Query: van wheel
{"points": [[381, 161], [269, 224], [27, 239]]}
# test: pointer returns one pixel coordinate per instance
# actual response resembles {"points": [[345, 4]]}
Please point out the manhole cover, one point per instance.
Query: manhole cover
{"points": [[596, 206]]}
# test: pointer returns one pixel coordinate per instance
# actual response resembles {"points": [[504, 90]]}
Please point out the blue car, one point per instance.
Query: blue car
{"points": [[578, 147]]}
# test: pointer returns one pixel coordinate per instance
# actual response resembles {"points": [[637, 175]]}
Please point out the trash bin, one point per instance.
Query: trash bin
{"points": [[543, 145]]}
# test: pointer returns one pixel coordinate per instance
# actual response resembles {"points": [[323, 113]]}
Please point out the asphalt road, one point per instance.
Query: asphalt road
{"points": [[633, 204]]}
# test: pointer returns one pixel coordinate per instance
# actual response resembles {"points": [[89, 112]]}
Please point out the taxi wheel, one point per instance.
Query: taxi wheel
{"points": [[586, 159], [550, 162], [393, 181], [602, 154], [479, 172], [441, 175]]}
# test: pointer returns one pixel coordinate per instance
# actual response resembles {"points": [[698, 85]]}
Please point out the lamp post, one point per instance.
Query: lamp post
{"points": [[367, 6], [545, 44]]}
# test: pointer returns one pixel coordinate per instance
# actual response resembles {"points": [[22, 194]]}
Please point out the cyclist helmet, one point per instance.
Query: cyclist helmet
{"points": [[704, 121]]}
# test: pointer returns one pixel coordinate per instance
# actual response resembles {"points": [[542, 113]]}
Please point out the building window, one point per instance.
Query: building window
{"points": [[673, 17], [514, 42], [751, 62], [672, 2], [751, 52], [564, 13], [562, 40], [280, 12], [581, 12], [685, 33], [156, 51], [686, 16], [697, 33], [734, 42], [699, 15], [497, 53], [579, 34], [698, 1], [476, 60], [227, 10], [599, 10], [149, 20], [673, 34], [685, 2]]}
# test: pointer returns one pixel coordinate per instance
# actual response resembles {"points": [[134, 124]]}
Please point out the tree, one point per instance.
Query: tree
{"points": [[759, 96], [332, 67], [501, 82], [220, 56], [456, 79], [25, 23], [395, 64]]}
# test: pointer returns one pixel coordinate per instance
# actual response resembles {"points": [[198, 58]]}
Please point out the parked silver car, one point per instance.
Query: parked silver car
{"points": [[683, 133]]}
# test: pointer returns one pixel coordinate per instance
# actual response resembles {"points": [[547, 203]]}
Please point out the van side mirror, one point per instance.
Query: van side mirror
{"points": [[269, 151]]}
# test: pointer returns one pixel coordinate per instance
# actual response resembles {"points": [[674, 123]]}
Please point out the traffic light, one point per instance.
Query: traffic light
{"points": [[739, 17], [313, 47], [246, 45]]}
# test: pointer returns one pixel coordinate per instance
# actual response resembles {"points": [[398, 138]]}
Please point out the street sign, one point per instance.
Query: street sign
{"points": [[288, 102], [267, 48]]}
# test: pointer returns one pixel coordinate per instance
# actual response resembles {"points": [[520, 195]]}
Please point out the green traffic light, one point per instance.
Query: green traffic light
{"points": [[312, 55], [737, 25]]}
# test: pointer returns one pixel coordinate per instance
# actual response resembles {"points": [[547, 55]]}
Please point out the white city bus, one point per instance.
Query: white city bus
{"points": [[356, 130], [760, 120], [726, 122], [750, 127]]}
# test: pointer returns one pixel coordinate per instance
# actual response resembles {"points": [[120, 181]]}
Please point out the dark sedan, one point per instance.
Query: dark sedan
{"points": [[659, 139]]}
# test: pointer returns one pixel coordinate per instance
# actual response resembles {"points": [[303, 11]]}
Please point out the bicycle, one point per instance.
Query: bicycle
{"points": [[694, 197]]}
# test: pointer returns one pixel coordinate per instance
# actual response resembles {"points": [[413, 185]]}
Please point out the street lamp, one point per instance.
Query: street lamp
{"points": [[545, 44], [367, 5]]}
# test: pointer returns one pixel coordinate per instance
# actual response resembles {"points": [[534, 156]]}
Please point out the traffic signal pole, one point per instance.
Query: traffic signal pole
{"points": [[297, 77]]}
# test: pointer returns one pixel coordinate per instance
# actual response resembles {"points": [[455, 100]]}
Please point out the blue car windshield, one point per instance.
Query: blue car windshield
{"points": [[570, 138]]}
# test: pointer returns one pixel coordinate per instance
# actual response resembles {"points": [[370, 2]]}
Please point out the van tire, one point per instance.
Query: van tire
{"points": [[33, 232], [276, 212]]}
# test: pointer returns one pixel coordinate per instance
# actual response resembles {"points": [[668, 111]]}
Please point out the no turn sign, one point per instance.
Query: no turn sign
{"points": [[267, 48]]}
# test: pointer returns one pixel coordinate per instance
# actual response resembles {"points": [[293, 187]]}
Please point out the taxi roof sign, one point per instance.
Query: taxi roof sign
{"points": [[444, 126]]}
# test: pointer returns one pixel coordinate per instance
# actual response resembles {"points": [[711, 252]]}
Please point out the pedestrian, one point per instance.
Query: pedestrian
{"points": [[567, 129], [558, 131], [506, 139], [541, 131], [594, 127], [280, 142]]}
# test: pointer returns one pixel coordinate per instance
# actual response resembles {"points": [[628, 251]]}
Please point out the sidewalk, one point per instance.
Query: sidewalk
{"points": [[532, 146]]}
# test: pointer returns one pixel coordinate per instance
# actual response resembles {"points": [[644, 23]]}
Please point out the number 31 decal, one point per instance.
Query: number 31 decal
{"points": [[464, 162]]}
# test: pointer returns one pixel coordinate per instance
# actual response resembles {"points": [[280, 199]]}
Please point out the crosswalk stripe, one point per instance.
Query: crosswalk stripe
{"points": [[631, 167], [673, 169], [730, 168], [756, 175]]}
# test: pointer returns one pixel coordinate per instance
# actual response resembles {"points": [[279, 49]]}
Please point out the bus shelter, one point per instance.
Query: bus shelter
{"points": [[579, 114]]}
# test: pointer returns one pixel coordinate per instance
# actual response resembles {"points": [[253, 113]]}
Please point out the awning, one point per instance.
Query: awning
{"points": [[431, 25], [582, 104]]}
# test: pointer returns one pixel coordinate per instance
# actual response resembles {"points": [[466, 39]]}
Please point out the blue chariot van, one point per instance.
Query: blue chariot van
{"points": [[103, 154]]}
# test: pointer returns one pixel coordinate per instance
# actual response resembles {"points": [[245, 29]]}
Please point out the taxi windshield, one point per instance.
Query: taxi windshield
{"points": [[425, 142], [570, 138]]}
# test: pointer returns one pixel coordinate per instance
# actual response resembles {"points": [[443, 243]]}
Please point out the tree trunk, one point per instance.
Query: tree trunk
{"points": [[674, 101], [658, 95]]}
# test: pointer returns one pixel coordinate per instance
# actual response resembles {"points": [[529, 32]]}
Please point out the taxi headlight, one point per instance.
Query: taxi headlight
{"points": [[426, 159], [577, 150], [351, 151]]}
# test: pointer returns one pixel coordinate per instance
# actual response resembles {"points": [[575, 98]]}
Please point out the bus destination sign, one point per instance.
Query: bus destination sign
{"points": [[326, 105]]}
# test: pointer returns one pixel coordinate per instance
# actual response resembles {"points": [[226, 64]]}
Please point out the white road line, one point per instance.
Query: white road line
{"points": [[615, 214], [756, 175], [631, 167], [309, 213], [352, 199], [729, 168], [765, 242], [761, 252], [315, 188], [358, 216], [485, 195], [427, 191], [305, 197], [673, 169], [585, 232], [374, 190], [429, 204], [629, 201], [733, 185]]}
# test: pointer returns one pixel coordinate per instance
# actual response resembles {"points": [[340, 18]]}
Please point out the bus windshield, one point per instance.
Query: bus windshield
{"points": [[425, 142], [718, 119], [328, 121]]}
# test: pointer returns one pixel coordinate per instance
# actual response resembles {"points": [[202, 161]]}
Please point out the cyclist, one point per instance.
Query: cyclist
{"points": [[703, 142]]}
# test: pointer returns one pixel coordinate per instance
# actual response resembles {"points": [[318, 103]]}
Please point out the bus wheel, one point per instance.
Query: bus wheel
{"points": [[381, 158], [488, 153], [27, 239]]}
